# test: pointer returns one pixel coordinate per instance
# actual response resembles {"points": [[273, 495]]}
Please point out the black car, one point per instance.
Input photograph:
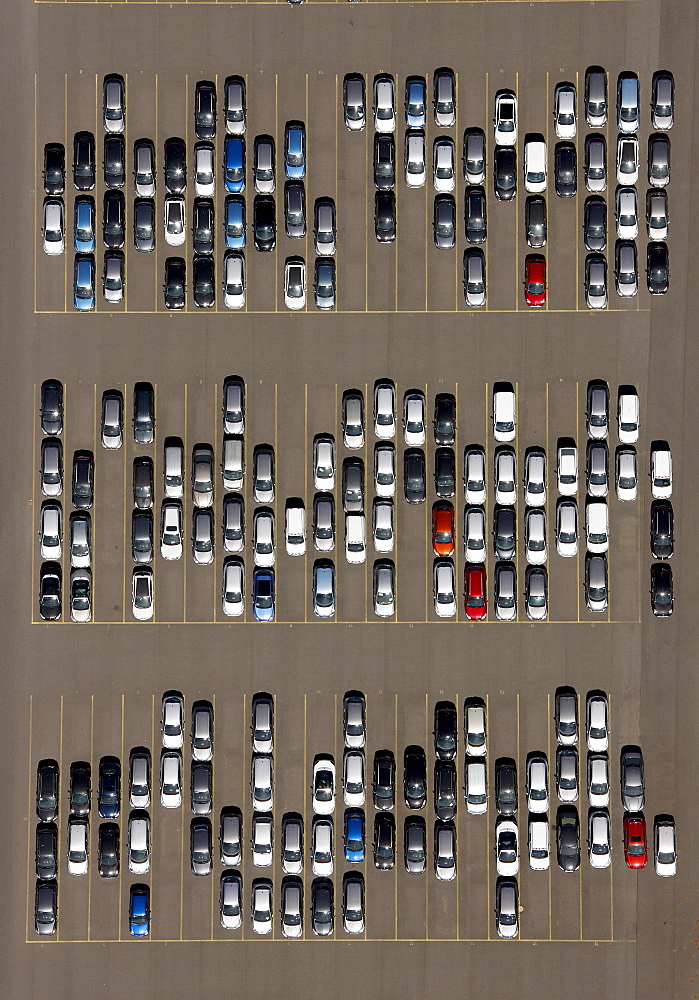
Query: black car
{"points": [[84, 161], [201, 787], [83, 479], [174, 285], [445, 790], [385, 216], [661, 595], [414, 475], [595, 224], [46, 850], [444, 419], [205, 110], [505, 173], [506, 786], [658, 268], [535, 221], [108, 850], [444, 221], [384, 841], [264, 222], [384, 785], [80, 789], [144, 225], [50, 592], [52, 407], [142, 536], [445, 730], [415, 777], [114, 162], [565, 170], [54, 168], [113, 220], [143, 481], [175, 166], [475, 212], [662, 535], [322, 906], [109, 787], [445, 472], [203, 279], [568, 838], [504, 532], [384, 162], [47, 790], [45, 907], [203, 225]]}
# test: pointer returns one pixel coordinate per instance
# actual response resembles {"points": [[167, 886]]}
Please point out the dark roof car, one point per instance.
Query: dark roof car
{"points": [[384, 841], [114, 162], [658, 268], [205, 109], [50, 592], [113, 220], [80, 789], [174, 284], [264, 222], [83, 477], [175, 166], [445, 472], [476, 217], [84, 161], [565, 170], [595, 223], [384, 784], [445, 730], [535, 221], [506, 786], [568, 839], [661, 591], [445, 789], [203, 282], [661, 529], [505, 173], [46, 850], [322, 906], [108, 850], [54, 168], [444, 221], [52, 407], [109, 787], [414, 475], [46, 907], [385, 216], [444, 418], [415, 777], [47, 780]]}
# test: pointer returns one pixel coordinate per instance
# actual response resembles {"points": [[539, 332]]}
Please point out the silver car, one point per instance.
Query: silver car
{"points": [[474, 535], [384, 410], [234, 105], [234, 405], [505, 477], [353, 904], [536, 593], [474, 476], [203, 476], [596, 97], [53, 227], [230, 902], [51, 531], [384, 589], [596, 282], [324, 462], [51, 467], [113, 278], [596, 163], [632, 783], [264, 165], [261, 783], [114, 104], [535, 536], [233, 524], [474, 156], [657, 217], [662, 105], [658, 161], [597, 411], [292, 844], [626, 474], [203, 537], [353, 420], [112, 420], [626, 269], [292, 907], [233, 588], [505, 592], [263, 538], [323, 589], [597, 469], [263, 476], [354, 102], [535, 478], [382, 524], [80, 540], [444, 98], [324, 523], [567, 774], [324, 227], [262, 725], [567, 528], [384, 104], [474, 278], [171, 530]]}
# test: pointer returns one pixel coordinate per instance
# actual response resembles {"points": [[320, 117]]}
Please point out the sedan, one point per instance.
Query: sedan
{"points": [[443, 529], [113, 277], [632, 782], [565, 170], [80, 595], [234, 281], [535, 593], [474, 156], [596, 282], [626, 474], [598, 780], [635, 846], [384, 589], [84, 225], [474, 278]]}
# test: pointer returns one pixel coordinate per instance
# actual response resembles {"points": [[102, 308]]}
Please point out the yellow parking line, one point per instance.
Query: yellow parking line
{"points": [[122, 804], [156, 269], [305, 499], [187, 459], [36, 214], [213, 779], [182, 812], [581, 510], [516, 212], [337, 116], [546, 119], [366, 220], [366, 480], [581, 867], [611, 867], [91, 833], [459, 507], [216, 571], [60, 773], [459, 178], [549, 758], [577, 214], [485, 133], [487, 826], [126, 508], [94, 498], [549, 529], [305, 239], [244, 759], [276, 153], [34, 512], [427, 880], [456, 880], [97, 132], [395, 886], [337, 797], [30, 811], [304, 798], [126, 146]]}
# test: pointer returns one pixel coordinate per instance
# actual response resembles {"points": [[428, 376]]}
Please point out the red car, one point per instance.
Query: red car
{"points": [[475, 598], [635, 847], [443, 529], [535, 280]]}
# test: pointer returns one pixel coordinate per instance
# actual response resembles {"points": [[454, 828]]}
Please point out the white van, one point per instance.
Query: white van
{"points": [[173, 473], [504, 414], [661, 473], [539, 849], [295, 529], [535, 166], [355, 538], [597, 526], [233, 465]]}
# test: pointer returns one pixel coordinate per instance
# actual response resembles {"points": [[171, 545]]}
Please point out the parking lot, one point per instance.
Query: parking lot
{"points": [[78, 693]]}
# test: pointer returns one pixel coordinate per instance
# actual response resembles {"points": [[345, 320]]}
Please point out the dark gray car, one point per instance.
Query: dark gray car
{"points": [[445, 790], [200, 846], [203, 225], [322, 908], [142, 536], [143, 482], [475, 212], [201, 789], [414, 475], [353, 486], [632, 782], [535, 221], [46, 850], [661, 529], [52, 407], [83, 475], [415, 845], [445, 472], [565, 170], [444, 221], [506, 786], [505, 173], [384, 162], [143, 413], [144, 224], [505, 532], [295, 210], [595, 224], [568, 839], [114, 162]]}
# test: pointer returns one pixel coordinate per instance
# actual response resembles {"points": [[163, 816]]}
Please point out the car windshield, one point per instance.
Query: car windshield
{"points": [[506, 117], [536, 288], [324, 786], [507, 846], [204, 173]]}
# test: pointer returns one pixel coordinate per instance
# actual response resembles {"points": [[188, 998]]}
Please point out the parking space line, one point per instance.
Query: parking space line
{"points": [[305, 238], [276, 153], [122, 804], [427, 234], [580, 871], [36, 212], [187, 459], [580, 512], [156, 269], [126, 507], [395, 887], [65, 562], [458, 506], [459, 813], [366, 477], [337, 803], [94, 454], [305, 498], [91, 835], [548, 155], [126, 266], [216, 547], [34, 512], [549, 530], [577, 215], [182, 809], [611, 866], [337, 116], [427, 533], [366, 220], [30, 771], [303, 801], [60, 772], [276, 491], [242, 849], [485, 127], [186, 128], [456, 201], [487, 823], [518, 143], [213, 789], [427, 833], [549, 757]]}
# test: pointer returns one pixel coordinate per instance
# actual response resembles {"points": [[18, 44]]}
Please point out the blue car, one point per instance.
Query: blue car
{"points": [[234, 164], [234, 222], [415, 102], [263, 595], [139, 910], [295, 150], [85, 225], [84, 283], [354, 835]]}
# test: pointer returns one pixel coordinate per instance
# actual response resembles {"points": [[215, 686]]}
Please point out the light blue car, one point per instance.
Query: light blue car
{"points": [[84, 283], [263, 595], [234, 223], [85, 225], [295, 150]]}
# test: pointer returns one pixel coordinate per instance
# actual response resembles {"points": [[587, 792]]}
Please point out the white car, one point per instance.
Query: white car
{"points": [[324, 463], [171, 530], [295, 528], [445, 852], [661, 473], [353, 905], [504, 415], [204, 170], [384, 590], [142, 593], [597, 526], [354, 727], [382, 525], [657, 216], [597, 723], [292, 845], [474, 535], [415, 168], [53, 227], [506, 847], [323, 786], [384, 410], [50, 532], [233, 524], [567, 471], [233, 588], [626, 213], [385, 470], [175, 220], [474, 476], [505, 120], [598, 839], [475, 728], [172, 721], [628, 417], [295, 283], [444, 589], [78, 846], [627, 159], [505, 477], [322, 847], [567, 528], [665, 846], [567, 774], [262, 907], [230, 838], [353, 778], [262, 841], [384, 104], [263, 538], [564, 111], [626, 474], [262, 783], [444, 165], [535, 547], [597, 469], [233, 406], [80, 540], [535, 478], [598, 780], [234, 281], [539, 845], [474, 156], [355, 538], [476, 787], [414, 419], [80, 595], [535, 166], [230, 902], [537, 784], [353, 420], [171, 780], [474, 278], [139, 844]]}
